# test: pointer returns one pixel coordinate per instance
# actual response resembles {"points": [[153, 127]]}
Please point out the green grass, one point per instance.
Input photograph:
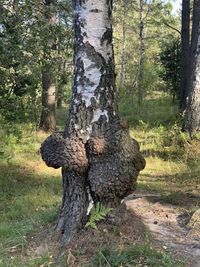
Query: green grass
{"points": [[156, 109], [173, 161], [138, 255], [30, 193]]}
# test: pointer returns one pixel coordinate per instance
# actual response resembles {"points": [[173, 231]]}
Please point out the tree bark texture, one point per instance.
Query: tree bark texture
{"points": [[185, 53], [192, 117], [194, 36], [99, 160], [138, 80], [48, 112], [142, 54], [122, 71]]}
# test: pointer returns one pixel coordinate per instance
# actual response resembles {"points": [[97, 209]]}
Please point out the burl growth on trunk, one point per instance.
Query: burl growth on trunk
{"points": [[109, 163]]}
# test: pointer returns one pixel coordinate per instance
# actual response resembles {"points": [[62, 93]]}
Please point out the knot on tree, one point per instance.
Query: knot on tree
{"points": [[113, 174], [68, 153], [96, 145]]}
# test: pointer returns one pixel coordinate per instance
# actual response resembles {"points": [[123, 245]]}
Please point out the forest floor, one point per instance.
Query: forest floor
{"points": [[156, 226]]}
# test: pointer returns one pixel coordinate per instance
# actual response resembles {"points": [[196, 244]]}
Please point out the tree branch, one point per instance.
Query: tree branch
{"points": [[173, 28]]}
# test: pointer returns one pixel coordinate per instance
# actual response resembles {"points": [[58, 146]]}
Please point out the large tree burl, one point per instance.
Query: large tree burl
{"points": [[68, 153], [111, 163], [113, 174]]}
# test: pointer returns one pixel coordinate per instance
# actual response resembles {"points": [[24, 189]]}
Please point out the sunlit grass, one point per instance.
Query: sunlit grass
{"points": [[30, 195], [30, 192], [172, 160]]}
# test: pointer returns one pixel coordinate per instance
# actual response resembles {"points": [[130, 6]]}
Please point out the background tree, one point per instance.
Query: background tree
{"points": [[122, 71], [191, 122], [48, 113], [147, 24], [185, 53], [170, 61], [97, 155], [25, 53], [24, 35]]}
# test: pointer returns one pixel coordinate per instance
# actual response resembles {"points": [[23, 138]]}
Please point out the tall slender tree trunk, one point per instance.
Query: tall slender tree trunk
{"points": [[142, 55], [191, 122], [59, 96], [122, 71], [194, 35], [48, 112], [185, 53], [97, 155]]}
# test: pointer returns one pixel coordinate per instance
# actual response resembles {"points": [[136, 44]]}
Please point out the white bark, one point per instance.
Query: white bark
{"points": [[93, 30], [94, 46]]}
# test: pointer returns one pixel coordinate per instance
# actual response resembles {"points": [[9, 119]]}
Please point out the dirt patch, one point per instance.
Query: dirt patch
{"points": [[120, 229], [166, 225]]}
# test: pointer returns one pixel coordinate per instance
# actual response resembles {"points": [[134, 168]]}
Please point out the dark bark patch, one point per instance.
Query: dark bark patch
{"points": [[95, 10], [107, 36], [94, 56]]}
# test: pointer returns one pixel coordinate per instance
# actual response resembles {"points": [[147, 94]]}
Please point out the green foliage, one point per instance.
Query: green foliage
{"points": [[138, 255], [170, 56], [24, 46], [98, 213], [157, 15], [175, 137]]}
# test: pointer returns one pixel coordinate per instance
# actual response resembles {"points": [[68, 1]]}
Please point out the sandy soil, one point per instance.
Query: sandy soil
{"points": [[168, 226]]}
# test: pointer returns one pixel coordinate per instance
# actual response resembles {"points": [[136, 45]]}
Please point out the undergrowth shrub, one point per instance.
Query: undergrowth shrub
{"points": [[178, 145], [98, 213], [15, 138]]}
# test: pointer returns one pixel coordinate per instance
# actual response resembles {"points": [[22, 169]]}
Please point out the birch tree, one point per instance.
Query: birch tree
{"points": [[99, 160]]}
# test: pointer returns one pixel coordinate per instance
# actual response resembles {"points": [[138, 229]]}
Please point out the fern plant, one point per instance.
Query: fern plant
{"points": [[98, 213]]}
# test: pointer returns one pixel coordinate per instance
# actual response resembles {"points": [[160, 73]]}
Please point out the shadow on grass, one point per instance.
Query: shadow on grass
{"points": [[26, 198], [178, 198], [17, 180], [165, 155], [177, 189], [28, 201]]}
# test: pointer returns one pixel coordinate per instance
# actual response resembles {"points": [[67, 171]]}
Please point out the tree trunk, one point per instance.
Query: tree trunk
{"points": [[48, 112], [194, 36], [142, 56], [122, 71], [191, 122], [185, 53], [59, 96], [97, 155]]}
